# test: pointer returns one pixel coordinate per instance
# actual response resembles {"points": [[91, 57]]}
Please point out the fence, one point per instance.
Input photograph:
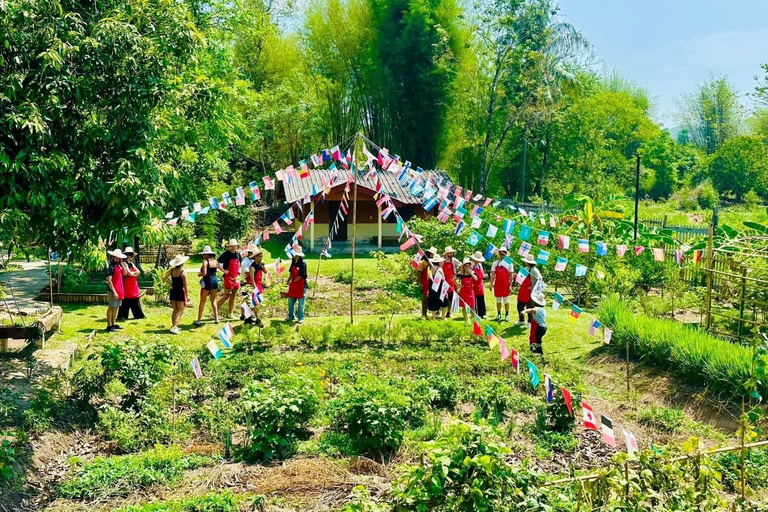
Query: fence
{"points": [[683, 233]]}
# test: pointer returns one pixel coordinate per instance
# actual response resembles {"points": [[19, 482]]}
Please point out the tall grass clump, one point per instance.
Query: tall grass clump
{"points": [[694, 355]]}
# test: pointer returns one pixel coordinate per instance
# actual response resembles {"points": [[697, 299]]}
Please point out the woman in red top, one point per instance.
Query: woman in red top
{"points": [[450, 267], [477, 268], [229, 264], [423, 275], [524, 294], [256, 279], [501, 282], [114, 280], [297, 283], [131, 287], [466, 279]]}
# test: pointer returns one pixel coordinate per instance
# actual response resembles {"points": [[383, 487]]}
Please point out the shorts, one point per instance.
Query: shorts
{"points": [[212, 284], [502, 300], [229, 291], [113, 302]]}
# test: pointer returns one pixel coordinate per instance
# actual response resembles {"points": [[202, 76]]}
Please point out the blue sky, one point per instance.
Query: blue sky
{"points": [[670, 46]]}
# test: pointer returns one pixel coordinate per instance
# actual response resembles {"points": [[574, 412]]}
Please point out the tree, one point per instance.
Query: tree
{"points": [[739, 166], [712, 114]]}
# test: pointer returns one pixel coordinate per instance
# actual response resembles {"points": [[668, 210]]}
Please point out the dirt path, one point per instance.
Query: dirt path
{"points": [[22, 289]]}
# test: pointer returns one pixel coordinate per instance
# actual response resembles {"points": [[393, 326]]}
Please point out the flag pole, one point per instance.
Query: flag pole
{"points": [[354, 233], [317, 274]]}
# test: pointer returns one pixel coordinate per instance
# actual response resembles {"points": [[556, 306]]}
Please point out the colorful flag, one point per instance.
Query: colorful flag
{"points": [[697, 257], [196, 207], [561, 264], [532, 371], [679, 256], [490, 251], [226, 334], [541, 221], [195, 364], [240, 201], [476, 222], [214, 349], [256, 298], [620, 250], [507, 263], [543, 238], [277, 227], [493, 340], [476, 329], [583, 245], [455, 306], [459, 226], [567, 400], [474, 238], [543, 257], [521, 275], [581, 270], [509, 226], [601, 249], [247, 313], [503, 350], [629, 437], [552, 221], [336, 153], [431, 202], [575, 312], [557, 301], [549, 389], [607, 335], [639, 250], [588, 416], [658, 254], [525, 248], [173, 222], [492, 230], [525, 232], [444, 290], [514, 358], [563, 242], [214, 203], [594, 325], [609, 437], [488, 201]]}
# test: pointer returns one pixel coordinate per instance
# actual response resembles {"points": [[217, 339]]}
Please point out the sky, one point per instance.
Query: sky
{"points": [[671, 46]]}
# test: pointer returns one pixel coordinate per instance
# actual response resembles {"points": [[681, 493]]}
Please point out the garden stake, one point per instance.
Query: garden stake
{"points": [[578, 496], [627, 366], [317, 274], [50, 277], [743, 425], [626, 478]]}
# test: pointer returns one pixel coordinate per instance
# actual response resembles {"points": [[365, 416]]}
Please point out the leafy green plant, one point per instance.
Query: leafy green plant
{"points": [[161, 287], [374, 414], [277, 414], [362, 502], [8, 455], [440, 390], [495, 396], [212, 502], [10, 412]]}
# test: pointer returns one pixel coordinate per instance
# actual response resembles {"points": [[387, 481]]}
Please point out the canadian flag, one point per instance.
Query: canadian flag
{"points": [[589, 416], [631, 442]]}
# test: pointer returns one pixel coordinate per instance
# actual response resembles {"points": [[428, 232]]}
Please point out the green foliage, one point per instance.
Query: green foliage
{"points": [[277, 413], [739, 166], [373, 414], [48, 404], [10, 412], [712, 114], [495, 396], [440, 390], [9, 453], [121, 475], [219, 502], [362, 502], [755, 462], [695, 356]]}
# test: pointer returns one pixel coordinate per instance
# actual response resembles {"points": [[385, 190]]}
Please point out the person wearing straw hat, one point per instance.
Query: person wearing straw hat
{"points": [[114, 279], [501, 283], [229, 264], [297, 287], [526, 288], [209, 285], [538, 322], [466, 280], [477, 268], [434, 302], [450, 267], [178, 296], [424, 277], [256, 273], [131, 301]]}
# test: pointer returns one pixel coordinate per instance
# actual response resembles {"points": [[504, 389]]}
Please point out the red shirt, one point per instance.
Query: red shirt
{"points": [[449, 269], [467, 292], [425, 280], [524, 294], [117, 281], [131, 283], [296, 288], [502, 282], [479, 286]]}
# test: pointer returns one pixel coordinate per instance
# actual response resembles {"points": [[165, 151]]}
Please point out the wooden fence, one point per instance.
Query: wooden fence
{"points": [[681, 232]]}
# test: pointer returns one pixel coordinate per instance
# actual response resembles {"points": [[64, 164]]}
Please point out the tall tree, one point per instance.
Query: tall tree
{"points": [[712, 114]]}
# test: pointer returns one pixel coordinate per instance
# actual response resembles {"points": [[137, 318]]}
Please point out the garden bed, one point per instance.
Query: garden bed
{"points": [[87, 298]]}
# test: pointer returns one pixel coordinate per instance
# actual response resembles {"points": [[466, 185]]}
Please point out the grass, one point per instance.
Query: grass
{"points": [[731, 215]]}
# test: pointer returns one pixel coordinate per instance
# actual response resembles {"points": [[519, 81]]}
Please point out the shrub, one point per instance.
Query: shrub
{"points": [[695, 356], [374, 414], [9, 407], [9, 445], [495, 396], [222, 502], [46, 406], [438, 389], [751, 199], [121, 475], [277, 413], [662, 418], [755, 462], [362, 502], [707, 196]]}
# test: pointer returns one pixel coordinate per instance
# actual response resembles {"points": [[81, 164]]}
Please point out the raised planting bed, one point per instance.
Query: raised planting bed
{"points": [[36, 330]]}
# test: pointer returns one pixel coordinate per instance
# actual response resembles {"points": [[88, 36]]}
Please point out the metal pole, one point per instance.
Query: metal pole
{"points": [[317, 274], [50, 277], [354, 233], [627, 365], [637, 191], [709, 276], [522, 179]]}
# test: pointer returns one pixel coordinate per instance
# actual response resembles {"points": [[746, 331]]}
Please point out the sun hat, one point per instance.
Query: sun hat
{"points": [[539, 300], [528, 260], [478, 257], [432, 250], [466, 261], [128, 251], [257, 251], [178, 260], [437, 259], [252, 248], [503, 249], [207, 250], [448, 249], [233, 241], [117, 253], [298, 252]]}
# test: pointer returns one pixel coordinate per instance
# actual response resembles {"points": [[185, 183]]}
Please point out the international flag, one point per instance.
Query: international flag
{"points": [[507, 263], [316, 161], [525, 248], [492, 230], [503, 350], [226, 334], [629, 437], [679, 257], [561, 264], [567, 400], [476, 222], [247, 312], [658, 254], [214, 349], [408, 243], [214, 203], [431, 202], [256, 298], [594, 325], [173, 221], [460, 212], [195, 364], [514, 358], [488, 201], [575, 312], [607, 335], [184, 212], [325, 155], [521, 275], [277, 227], [552, 221], [583, 245], [581, 270], [549, 389], [169, 215], [493, 339], [205, 210], [557, 301], [541, 221], [265, 234], [509, 226], [563, 242], [543, 238], [467, 195], [444, 215], [525, 232], [444, 290], [455, 306], [534, 374], [602, 249], [620, 250], [280, 175], [190, 217], [697, 257], [588, 415], [476, 328], [609, 437], [459, 226], [476, 211], [458, 202], [474, 238], [489, 252], [268, 183], [197, 207], [240, 201], [543, 257], [335, 153], [255, 193], [639, 250]]}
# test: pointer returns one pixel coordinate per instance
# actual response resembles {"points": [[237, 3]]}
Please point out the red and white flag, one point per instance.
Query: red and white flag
{"points": [[607, 427], [631, 442], [567, 400], [620, 250], [588, 416], [514, 358]]}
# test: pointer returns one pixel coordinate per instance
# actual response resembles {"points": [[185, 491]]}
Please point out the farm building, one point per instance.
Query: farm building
{"points": [[371, 229]]}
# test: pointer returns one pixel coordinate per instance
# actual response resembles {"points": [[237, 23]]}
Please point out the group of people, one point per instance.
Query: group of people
{"points": [[467, 279], [241, 276]]}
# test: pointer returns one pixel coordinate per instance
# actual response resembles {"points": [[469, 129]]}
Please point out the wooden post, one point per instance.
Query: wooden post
{"points": [[317, 274], [743, 433], [58, 281], [354, 234], [312, 228], [50, 276], [627, 366], [710, 257], [379, 208]]}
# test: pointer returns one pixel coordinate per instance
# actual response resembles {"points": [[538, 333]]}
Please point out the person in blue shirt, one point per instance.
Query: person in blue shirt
{"points": [[538, 322]]}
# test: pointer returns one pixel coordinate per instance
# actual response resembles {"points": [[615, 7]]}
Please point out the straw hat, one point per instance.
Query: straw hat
{"points": [[528, 260], [466, 261], [478, 257], [437, 259], [252, 248], [539, 300], [298, 252], [179, 260], [129, 251], [117, 253], [449, 249], [503, 249], [233, 241], [207, 250], [432, 250], [257, 251]]}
